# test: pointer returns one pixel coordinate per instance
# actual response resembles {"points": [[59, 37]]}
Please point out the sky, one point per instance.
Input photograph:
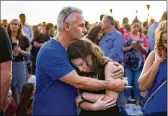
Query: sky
{"points": [[39, 11]]}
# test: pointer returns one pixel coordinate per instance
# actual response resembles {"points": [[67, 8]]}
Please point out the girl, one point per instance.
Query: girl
{"points": [[89, 61]]}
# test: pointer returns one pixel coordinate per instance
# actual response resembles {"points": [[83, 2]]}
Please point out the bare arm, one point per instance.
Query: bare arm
{"points": [[87, 83], [149, 72], [109, 93], [5, 74], [98, 105], [26, 52], [127, 48], [142, 48], [107, 96]]}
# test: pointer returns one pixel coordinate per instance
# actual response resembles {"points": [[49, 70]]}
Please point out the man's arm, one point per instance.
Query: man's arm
{"points": [[5, 72], [87, 83], [5, 65]]}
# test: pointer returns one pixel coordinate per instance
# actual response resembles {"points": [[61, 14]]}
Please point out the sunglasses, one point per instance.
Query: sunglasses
{"points": [[14, 24], [68, 11]]}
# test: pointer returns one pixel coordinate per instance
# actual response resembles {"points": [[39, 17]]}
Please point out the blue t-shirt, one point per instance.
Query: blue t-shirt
{"points": [[52, 96]]}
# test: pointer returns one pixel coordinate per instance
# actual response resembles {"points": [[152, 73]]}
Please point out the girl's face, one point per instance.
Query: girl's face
{"points": [[9, 98], [99, 35], [14, 26], [164, 39], [81, 64]]}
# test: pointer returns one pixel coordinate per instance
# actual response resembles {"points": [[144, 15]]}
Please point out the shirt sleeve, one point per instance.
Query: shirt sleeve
{"points": [[146, 43], [5, 46], [55, 64]]}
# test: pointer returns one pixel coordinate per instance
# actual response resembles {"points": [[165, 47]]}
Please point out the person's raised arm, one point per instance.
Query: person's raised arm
{"points": [[149, 71]]}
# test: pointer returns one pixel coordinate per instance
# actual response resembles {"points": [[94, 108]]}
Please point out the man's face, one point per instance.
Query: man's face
{"points": [[104, 23], [23, 19], [77, 29]]}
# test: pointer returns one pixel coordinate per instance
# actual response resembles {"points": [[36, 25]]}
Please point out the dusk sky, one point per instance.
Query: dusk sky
{"points": [[39, 11]]}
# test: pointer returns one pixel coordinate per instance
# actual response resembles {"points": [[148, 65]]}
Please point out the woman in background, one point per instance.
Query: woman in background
{"points": [[154, 75], [21, 48]]}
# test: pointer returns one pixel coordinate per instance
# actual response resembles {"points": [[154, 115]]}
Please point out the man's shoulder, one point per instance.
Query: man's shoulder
{"points": [[118, 33], [51, 47], [27, 25]]}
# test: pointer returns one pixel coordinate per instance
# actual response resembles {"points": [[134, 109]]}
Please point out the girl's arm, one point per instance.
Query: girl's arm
{"points": [[26, 52], [109, 95]]}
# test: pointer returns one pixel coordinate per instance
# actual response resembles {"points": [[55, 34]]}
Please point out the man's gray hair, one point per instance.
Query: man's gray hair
{"points": [[110, 19], [66, 15]]}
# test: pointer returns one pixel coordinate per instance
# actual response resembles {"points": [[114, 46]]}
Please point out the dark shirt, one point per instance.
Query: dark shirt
{"points": [[109, 112], [23, 44], [5, 46]]}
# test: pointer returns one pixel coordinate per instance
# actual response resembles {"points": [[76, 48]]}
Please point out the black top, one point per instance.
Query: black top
{"points": [[114, 111], [23, 43], [41, 38], [99, 76], [5, 46]]}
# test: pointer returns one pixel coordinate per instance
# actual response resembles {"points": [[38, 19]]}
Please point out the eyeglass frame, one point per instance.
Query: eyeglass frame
{"points": [[70, 10]]}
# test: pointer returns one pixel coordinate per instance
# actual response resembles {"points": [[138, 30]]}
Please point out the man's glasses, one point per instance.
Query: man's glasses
{"points": [[68, 12]]}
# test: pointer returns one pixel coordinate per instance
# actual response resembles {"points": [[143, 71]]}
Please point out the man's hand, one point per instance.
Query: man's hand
{"points": [[118, 72], [117, 85]]}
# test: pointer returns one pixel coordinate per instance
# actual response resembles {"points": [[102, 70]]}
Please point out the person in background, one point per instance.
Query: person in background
{"points": [[127, 28], [5, 64], [4, 23], [95, 34], [145, 27], [31, 77], [38, 42], [151, 31], [135, 51], [124, 22], [10, 108], [27, 29], [21, 48], [154, 75], [25, 96], [112, 42]]}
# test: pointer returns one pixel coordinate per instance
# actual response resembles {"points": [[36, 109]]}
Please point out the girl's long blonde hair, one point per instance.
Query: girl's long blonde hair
{"points": [[162, 28]]}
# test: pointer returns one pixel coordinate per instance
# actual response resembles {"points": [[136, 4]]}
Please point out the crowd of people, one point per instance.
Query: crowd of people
{"points": [[79, 68]]}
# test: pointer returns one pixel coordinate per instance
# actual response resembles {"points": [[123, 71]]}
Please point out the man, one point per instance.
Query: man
{"points": [[5, 65], [151, 31], [56, 79], [28, 31], [112, 42]]}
